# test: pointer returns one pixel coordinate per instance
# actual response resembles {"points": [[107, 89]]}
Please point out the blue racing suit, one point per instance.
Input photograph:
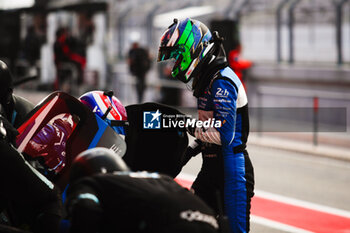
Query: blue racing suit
{"points": [[226, 167]]}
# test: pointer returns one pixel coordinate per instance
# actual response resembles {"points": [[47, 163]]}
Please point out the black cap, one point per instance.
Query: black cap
{"points": [[6, 82], [94, 161], [5, 76]]}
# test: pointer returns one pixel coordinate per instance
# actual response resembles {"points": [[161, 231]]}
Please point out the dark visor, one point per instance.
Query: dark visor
{"points": [[164, 53]]}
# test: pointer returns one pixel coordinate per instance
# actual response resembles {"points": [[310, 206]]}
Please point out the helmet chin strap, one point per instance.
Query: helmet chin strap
{"points": [[203, 79], [110, 95], [208, 48], [212, 59], [215, 60], [107, 112], [219, 50]]}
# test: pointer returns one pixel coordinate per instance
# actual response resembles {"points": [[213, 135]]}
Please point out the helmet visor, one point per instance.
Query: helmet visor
{"points": [[50, 142], [165, 52]]}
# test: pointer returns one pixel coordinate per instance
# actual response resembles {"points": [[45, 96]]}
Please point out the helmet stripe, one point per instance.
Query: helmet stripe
{"points": [[190, 41], [112, 115], [115, 111], [174, 37], [187, 55], [100, 103], [102, 100], [186, 33], [190, 70]]}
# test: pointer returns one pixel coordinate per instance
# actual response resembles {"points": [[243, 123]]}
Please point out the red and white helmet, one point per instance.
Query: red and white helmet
{"points": [[107, 107]]}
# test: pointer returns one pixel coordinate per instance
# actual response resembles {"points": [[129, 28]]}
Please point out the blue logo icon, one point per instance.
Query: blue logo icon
{"points": [[151, 120]]}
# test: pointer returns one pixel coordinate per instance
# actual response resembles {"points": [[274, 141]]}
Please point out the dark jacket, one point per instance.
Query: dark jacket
{"points": [[136, 202]]}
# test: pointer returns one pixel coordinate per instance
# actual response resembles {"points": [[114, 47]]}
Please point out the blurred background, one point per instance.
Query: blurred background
{"points": [[293, 57]]}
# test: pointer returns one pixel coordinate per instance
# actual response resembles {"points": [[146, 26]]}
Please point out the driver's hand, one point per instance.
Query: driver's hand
{"points": [[191, 129]]}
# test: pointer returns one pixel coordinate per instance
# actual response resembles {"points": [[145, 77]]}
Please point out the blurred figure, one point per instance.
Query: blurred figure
{"points": [[32, 44], [238, 64], [35, 38], [105, 196], [139, 63], [70, 60], [169, 95], [14, 108], [86, 28]]}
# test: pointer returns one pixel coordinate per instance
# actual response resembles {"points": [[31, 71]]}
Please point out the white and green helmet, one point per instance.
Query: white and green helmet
{"points": [[189, 42]]}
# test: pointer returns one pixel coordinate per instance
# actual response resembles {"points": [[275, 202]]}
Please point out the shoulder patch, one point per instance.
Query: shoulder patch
{"points": [[228, 73]]}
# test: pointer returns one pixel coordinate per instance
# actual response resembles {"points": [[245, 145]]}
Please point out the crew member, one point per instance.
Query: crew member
{"points": [[28, 199], [104, 196], [14, 108]]}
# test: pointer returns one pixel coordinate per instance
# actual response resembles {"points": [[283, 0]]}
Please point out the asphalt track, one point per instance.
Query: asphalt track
{"points": [[294, 192]]}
